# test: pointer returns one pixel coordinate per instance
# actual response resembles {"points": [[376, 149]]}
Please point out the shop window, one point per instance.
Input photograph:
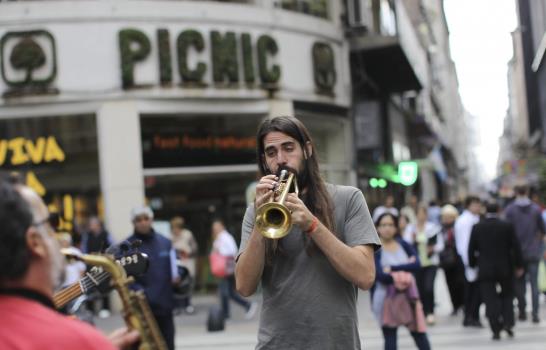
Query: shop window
{"points": [[58, 158]]}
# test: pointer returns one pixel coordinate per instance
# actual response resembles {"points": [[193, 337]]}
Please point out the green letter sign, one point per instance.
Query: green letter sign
{"points": [[224, 57], [186, 39], [129, 56]]}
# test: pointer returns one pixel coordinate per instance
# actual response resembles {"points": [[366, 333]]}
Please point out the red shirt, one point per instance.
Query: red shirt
{"points": [[27, 324]]}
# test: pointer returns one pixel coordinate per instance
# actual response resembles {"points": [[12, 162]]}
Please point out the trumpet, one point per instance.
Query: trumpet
{"points": [[273, 219]]}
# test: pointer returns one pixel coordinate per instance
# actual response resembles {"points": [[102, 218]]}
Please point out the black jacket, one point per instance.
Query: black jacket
{"points": [[494, 249]]}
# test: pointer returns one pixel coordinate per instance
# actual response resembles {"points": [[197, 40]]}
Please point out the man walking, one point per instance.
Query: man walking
{"points": [[527, 220], [495, 250], [463, 229], [162, 273]]}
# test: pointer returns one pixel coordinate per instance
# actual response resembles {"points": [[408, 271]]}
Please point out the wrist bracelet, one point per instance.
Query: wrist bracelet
{"points": [[313, 226]]}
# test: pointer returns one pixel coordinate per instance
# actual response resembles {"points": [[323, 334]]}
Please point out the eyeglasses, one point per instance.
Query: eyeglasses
{"points": [[46, 223], [41, 222]]}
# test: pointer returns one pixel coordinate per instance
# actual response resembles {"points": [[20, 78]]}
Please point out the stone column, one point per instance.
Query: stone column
{"points": [[120, 164]]}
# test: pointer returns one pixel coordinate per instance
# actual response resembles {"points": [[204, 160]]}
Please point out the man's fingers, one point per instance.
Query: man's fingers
{"points": [[123, 338]]}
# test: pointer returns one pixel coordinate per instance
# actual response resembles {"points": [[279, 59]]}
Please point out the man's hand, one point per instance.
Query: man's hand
{"points": [[301, 215], [123, 338], [264, 189]]}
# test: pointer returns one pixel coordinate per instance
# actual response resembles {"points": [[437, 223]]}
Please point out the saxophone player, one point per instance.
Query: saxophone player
{"points": [[32, 266]]}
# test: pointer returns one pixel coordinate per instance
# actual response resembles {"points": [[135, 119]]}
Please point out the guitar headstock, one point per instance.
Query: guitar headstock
{"points": [[134, 264], [127, 256]]}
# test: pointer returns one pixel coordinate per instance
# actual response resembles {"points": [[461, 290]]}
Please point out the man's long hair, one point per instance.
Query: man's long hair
{"points": [[316, 197]]}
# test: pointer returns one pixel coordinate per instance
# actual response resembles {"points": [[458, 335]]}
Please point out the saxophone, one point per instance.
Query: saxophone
{"points": [[136, 310]]}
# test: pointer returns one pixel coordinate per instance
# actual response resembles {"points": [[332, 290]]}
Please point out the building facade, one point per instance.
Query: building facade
{"points": [[107, 104], [523, 143], [406, 105]]}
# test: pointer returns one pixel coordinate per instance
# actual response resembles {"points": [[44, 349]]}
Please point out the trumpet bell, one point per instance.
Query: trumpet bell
{"points": [[273, 220]]}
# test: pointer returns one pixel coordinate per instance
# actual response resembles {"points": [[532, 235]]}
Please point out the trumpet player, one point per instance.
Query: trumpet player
{"points": [[32, 266], [310, 277]]}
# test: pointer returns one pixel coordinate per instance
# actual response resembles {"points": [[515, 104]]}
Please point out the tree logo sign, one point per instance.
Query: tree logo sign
{"points": [[28, 62]]}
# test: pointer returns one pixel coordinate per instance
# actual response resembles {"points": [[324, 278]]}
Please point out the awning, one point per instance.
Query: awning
{"points": [[384, 62]]}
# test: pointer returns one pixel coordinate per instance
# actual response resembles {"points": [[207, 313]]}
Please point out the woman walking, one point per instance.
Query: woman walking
{"points": [[395, 288], [426, 238]]}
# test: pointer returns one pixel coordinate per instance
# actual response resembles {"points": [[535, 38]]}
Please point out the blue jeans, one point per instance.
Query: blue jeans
{"points": [[227, 291], [531, 273], [420, 339]]}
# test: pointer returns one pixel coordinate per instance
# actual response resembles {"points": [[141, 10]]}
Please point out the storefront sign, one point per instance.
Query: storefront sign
{"points": [[175, 150], [199, 141], [28, 60], [135, 46], [19, 151]]}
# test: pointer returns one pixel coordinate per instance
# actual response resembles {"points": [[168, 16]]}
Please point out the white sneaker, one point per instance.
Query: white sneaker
{"points": [[251, 310], [104, 313]]}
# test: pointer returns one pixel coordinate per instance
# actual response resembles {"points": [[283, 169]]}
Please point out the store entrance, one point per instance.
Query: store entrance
{"points": [[200, 198]]}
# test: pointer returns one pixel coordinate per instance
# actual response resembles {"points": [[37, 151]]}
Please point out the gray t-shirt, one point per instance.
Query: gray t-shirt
{"points": [[307, 304]]}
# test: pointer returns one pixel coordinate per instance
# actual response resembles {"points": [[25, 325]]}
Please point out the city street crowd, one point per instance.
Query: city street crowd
{"points": [[331, 246], [488, 252]]}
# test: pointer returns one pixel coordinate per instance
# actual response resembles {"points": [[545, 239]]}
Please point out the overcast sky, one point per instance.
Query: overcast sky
{"points": [[481, 46]]}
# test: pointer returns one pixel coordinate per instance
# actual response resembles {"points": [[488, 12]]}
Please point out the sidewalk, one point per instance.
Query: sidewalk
{"points": [[447, 334]]}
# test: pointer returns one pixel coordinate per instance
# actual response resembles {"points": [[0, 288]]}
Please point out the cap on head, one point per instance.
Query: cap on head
{"points": [[141, 210]]}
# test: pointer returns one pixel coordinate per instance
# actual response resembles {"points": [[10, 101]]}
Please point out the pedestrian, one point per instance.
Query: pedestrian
{"points": [[494, 249], [309, 277], [403, 223], [450, 261], [387, 207], [410, 209], [434, 212], [527, 219], [95, 241], [32, 267], [428, 242], [186, 250], [224, 244], [463, 228], [395, 256], [162, 273]]}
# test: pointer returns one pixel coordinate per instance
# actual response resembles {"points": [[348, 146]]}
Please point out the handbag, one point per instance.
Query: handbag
{"points": [[448, 258], [221, 265]]}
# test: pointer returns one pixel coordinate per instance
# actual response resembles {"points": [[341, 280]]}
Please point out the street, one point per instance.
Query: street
{"points": [[448, 333]]}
